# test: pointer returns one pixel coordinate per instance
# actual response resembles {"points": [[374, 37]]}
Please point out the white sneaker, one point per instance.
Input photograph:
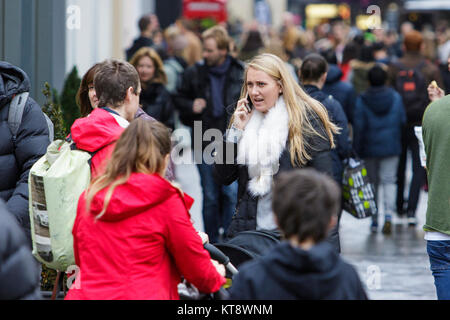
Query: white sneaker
{"points": [[412, 221]]}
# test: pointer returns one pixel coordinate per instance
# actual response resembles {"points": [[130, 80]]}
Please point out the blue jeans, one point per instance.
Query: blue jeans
{"points": [[439, 253], [219, 202]]}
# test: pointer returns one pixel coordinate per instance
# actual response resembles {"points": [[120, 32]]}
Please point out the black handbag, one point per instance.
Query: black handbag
{"points": [[357, 190]]}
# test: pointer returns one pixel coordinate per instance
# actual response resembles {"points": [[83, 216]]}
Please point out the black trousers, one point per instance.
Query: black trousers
{"points": [[409, 142]]}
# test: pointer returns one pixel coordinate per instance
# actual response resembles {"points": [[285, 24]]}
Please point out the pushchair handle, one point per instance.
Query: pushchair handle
{"points": [[218, 255]]}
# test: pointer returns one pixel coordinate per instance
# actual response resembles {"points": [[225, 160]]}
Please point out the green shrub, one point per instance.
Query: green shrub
{"points": [[69, 107], [52, 108]]}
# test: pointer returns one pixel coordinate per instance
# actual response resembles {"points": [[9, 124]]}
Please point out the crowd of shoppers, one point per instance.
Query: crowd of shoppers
{"points": [[292, 106]]}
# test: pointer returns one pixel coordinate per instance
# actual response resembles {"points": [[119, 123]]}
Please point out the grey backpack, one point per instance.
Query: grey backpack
{"points": [[16, 108]]}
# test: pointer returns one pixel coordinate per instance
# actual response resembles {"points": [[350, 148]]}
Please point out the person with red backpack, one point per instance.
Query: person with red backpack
{"points": [[410, 76]]}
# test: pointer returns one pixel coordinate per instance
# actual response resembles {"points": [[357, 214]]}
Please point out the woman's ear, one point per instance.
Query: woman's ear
{"points": [[333, 222], [166, 164], [324, 77]]}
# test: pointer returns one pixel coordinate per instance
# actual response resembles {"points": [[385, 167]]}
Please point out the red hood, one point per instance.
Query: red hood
{"points": [[95, 131], [140, 193]]}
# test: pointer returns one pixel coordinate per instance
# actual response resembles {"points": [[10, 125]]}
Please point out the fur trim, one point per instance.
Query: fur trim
{"points": [[262, 143]]}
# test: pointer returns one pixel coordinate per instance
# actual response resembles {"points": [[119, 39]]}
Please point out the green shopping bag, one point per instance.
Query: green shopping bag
{"points": [[55, 183]]}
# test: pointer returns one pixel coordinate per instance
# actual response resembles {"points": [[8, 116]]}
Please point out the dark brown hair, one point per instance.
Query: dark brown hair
{"points": [[313, 67], [112, 80], [304, 201], [143, 23], [141, 148], [82, 97]]}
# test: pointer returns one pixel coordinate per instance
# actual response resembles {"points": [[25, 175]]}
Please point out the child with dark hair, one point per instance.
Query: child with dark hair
{"points": [[303, 266]]}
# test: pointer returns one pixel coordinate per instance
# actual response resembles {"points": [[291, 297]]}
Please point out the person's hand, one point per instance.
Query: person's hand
{"points": [[198, 105], [204, 236], [242, 114], [434, 92], [219, 267]]}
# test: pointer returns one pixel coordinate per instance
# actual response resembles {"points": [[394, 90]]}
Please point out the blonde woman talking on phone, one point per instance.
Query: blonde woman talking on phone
{"points": [[276, 127]]}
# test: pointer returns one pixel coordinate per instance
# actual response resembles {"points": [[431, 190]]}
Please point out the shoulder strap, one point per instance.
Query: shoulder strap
{"points": [[16, 108]]}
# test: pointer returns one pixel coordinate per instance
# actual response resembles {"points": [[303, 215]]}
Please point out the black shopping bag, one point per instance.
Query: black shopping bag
{"points": [[357, 190]]}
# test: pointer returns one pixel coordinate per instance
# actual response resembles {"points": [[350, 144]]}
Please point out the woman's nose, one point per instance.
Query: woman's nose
{"points": [[253, 91]]}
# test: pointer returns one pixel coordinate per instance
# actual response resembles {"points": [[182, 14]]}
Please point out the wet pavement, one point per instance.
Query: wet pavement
{"points": [[393, 267]]}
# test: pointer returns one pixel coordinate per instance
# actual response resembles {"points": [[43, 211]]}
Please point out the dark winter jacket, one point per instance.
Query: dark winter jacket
{"points": [[340, 90], [288, 273], [196, 84], [379, 118], [137, 44], [157, 103], [244, 217], [19, 272], [429, 71], [16, 159], [338, 117]]}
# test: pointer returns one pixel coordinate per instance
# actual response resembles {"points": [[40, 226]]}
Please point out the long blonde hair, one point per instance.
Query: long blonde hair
{"points": [[300, 107], [142, 148]]}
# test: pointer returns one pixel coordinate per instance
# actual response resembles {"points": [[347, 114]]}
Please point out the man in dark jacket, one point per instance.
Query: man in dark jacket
{"points": [[208, 90], [146, 26], [415, 107], [340, 90], [304, 266], [19, 272], [17, 157]]}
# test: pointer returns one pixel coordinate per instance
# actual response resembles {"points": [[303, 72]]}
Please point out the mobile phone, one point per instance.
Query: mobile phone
{"points": [[249, 103]]}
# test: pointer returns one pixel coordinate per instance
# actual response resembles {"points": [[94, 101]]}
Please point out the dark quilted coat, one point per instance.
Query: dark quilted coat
{"points": [[19, 272], [17, 158]]}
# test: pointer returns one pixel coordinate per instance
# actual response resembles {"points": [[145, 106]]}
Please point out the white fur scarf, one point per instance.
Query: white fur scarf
{"points": [[262, 144]]}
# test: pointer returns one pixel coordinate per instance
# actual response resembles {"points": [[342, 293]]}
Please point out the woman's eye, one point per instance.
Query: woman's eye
{"points": [[261, 84]]}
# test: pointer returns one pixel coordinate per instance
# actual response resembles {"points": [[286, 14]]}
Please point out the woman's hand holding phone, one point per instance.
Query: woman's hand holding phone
{"points": [[243, 113]]}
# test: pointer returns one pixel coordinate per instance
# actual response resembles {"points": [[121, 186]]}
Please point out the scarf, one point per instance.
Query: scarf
{"points": [[262, 143], [217, 76]]}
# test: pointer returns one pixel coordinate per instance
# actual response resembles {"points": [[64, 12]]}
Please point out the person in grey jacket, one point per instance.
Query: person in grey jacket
{"points": [[17, 156], [19, 271]]}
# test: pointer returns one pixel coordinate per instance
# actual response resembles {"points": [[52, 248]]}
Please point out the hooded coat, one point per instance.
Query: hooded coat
{"points": [[379, 117], [141, 246], [289, 273], [97, 133], [19, 271], [340, 90], [338, 117], [17, 158]]}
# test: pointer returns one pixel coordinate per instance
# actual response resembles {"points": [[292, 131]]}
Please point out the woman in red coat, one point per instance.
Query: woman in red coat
{"points": [[133, 238]]}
